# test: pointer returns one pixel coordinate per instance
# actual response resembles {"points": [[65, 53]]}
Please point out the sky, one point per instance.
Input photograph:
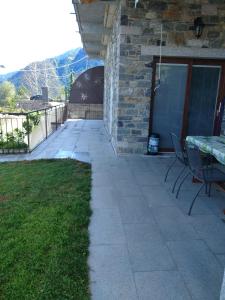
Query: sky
{"points": [[32, 30]]}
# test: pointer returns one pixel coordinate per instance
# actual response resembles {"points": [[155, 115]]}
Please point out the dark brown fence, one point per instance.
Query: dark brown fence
{"points": [[23, 132], [86, 96]]}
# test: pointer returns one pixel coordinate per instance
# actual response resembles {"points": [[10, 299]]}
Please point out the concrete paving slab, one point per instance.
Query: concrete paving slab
{"points": [[221, 259], [134, 209], [173, 224], [216, 244], [157, 196], [103, 197], [148, 178], [121, 174], [106, 227], [127, 187], [212, 230], [111, 275], [161, 285], [102, 179], [138, 233], [81, 156], [150, 256], [199, 268]]}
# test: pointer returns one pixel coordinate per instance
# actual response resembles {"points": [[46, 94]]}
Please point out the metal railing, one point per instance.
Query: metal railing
{"points": [[85, 111], [23, 132]]}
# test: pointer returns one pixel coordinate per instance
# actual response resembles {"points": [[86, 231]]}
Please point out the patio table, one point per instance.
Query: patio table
{"points": [[214, 145]]}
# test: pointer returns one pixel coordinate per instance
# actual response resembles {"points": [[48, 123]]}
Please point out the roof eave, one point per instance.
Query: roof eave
{"points": [[94, 24]]}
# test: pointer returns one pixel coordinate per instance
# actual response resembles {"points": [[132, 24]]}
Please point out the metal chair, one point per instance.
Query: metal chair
{"points": [[207, 160], [206, 175], [180, 156]]}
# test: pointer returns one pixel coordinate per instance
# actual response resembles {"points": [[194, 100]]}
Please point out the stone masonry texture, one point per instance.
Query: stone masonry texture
{"points": [[128, 72]]}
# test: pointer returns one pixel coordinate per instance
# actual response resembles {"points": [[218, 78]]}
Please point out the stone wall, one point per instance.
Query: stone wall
{"points": [[111, 80], [140, 33]]}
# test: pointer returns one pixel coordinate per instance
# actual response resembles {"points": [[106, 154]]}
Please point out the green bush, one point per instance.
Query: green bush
{"points": [[33, 119], [13, 140]]}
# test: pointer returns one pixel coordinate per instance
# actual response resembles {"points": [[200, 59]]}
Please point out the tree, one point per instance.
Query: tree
{"points": [[61, 94], [22, 93], [7, 93], [68, 86]]}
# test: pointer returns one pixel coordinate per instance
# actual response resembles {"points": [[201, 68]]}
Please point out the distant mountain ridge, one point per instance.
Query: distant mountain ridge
{"points": [[54, 72], [6, 76]]}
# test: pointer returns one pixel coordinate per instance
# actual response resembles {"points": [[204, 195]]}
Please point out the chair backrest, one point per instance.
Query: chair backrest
{"points": [[178, 148], [194, 160]]}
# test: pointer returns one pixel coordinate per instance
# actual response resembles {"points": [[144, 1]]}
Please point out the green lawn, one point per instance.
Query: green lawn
{"points": [[44, 217]]}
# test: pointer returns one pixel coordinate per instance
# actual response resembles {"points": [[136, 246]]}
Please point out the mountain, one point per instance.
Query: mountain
{"points": [[56, 72], [4, 77]]}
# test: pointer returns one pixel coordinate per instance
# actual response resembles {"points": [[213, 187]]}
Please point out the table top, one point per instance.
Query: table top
{"points": [[214, 145]]}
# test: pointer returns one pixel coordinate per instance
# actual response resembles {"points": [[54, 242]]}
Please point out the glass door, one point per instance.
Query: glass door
{"points": [[187, 101], [203, 99], [169, 102]]}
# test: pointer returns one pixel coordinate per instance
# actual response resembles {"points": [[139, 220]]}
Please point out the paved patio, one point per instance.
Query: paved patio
{"points": [[143, 244]]}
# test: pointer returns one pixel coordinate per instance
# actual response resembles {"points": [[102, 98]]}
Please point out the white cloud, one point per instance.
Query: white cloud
{"points": [[32, 30]]}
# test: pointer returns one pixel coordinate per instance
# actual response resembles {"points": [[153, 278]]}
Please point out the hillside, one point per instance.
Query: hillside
{"points": [[53, 72]]}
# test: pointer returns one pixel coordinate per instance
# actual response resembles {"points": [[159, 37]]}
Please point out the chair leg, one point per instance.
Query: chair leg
{"points": [[170, 167], [190, 209], [178, 190], [178, 177]]}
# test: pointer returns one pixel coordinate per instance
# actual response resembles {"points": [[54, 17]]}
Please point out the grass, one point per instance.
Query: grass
{"points": [[44, 217]]}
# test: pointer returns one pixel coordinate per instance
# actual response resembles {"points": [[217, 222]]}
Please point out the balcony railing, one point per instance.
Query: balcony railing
{"points": [[85, 111], [23, 132]]}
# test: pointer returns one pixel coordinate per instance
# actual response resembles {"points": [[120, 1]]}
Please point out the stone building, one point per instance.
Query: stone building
{"points": [[164, 67]]}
